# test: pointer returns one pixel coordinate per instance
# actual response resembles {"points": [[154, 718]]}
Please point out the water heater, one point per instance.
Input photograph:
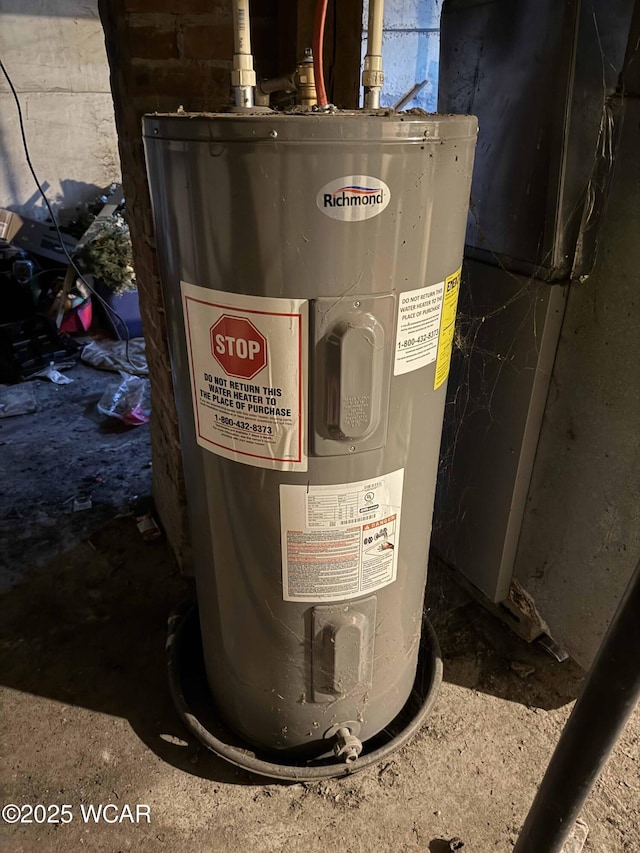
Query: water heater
{"points": [[310, 264]]}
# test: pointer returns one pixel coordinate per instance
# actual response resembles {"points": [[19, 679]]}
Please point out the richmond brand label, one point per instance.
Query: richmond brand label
{"points": [[353, 198]]}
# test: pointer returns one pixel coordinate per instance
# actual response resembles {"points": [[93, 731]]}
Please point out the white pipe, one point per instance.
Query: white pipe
{"points": [[374, 30], [372, 74], [241, 28], [243, 77]]}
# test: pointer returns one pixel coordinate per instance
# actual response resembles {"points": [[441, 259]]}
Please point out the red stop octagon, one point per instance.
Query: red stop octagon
{"points": [[238, 347]]}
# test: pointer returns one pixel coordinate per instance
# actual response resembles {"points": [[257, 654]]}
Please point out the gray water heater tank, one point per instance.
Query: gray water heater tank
{"points": [[310, 266]]}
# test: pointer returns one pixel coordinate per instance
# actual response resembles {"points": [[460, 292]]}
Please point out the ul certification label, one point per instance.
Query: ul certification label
{"points": [[419, 314], [447, 327], [340, 542], [247, 359]]}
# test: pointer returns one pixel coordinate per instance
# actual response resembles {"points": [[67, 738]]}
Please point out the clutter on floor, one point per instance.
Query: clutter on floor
{"points": [[129, 400], [66, 425], [68, 468], [17, 400], [129, 356], [59, 285]]}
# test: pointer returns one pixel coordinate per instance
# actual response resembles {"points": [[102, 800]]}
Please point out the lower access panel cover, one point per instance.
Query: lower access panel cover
{"points": [[343, 645]]}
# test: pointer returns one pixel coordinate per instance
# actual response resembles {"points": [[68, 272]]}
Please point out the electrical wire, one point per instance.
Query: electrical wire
{"points": [[318, 51], [54, 219]]}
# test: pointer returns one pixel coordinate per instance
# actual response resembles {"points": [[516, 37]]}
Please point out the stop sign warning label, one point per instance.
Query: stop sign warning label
{"points": [[238, 347], [247, 359]]}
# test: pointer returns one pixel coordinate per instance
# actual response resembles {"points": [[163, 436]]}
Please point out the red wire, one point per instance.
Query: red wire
{"points": [[318, 48]]}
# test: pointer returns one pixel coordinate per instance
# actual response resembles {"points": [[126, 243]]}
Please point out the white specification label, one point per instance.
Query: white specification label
{"points": [[418, 328], [341, 541], [247, 359]]}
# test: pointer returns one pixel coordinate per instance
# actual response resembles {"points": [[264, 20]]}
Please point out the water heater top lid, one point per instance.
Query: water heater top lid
{"points": [[298, 125]]}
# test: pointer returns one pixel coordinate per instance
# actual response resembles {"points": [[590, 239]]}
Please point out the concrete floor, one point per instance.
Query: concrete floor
{"points": [[65, 451], [86, 718]]}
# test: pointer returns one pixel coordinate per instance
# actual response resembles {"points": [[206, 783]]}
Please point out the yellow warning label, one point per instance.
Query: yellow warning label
{"points": [[447, 326]]}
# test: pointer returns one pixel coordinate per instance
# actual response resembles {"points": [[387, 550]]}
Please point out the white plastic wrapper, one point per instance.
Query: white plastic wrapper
{"points": [[129, 400]]}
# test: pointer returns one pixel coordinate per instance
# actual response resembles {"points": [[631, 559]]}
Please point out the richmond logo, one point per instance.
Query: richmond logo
{"points": [[353, 198], [348, 196]]}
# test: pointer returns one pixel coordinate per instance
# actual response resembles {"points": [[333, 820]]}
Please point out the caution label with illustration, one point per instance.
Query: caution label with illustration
{"points": [[447, 327], [247, 359], [340, 541]]}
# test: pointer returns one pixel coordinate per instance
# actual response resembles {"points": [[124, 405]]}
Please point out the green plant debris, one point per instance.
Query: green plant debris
{"points": [[108, 255]]}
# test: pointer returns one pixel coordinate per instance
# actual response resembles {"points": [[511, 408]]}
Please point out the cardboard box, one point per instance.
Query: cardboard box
{"points": [[10, 224], [37, 238]]}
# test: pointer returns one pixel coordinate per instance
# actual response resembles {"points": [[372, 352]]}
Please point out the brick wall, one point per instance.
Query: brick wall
{"points": [[161, 58]]}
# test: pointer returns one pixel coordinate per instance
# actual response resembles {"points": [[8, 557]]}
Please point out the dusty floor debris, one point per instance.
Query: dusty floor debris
{"points": [[65, 455]]}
